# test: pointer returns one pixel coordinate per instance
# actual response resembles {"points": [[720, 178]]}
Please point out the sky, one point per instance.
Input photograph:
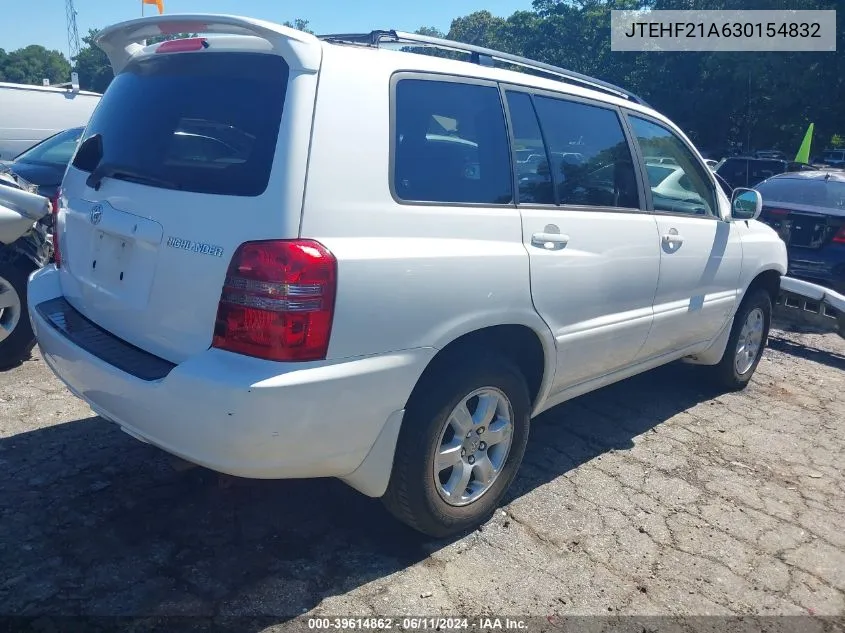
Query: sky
{"points": [[43, 21]]}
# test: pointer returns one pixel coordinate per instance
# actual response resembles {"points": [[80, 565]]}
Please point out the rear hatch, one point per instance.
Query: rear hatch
{"points": [[805, 226], [191, 152]]}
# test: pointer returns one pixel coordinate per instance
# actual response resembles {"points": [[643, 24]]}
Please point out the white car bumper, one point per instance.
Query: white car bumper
{"points": [[244, 416]]}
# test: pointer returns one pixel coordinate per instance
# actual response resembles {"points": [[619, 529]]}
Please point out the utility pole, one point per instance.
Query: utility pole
{"points": [[72, 30]]}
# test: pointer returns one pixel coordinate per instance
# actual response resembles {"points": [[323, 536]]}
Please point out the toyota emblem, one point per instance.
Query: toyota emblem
{"points": [[96, 214]]}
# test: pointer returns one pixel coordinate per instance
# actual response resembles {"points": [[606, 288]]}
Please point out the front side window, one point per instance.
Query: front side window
{"points": [[450, 143], [686, 189], [590, 159]]}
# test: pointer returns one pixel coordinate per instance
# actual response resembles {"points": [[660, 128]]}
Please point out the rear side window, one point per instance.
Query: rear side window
{"points": [[533, 175], [590, 159], [450, 143], [200, 122]]}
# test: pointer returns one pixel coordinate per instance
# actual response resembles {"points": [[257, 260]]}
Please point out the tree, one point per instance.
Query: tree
{"points": [[33, 64], [300, 25], [719, 99], [92, 64]]}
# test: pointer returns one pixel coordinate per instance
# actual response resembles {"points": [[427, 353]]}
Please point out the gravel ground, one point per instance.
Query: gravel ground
{"points": [[649, 497]]}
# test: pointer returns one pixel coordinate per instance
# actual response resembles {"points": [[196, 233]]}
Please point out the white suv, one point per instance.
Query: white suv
{"points": [[283, 256]]}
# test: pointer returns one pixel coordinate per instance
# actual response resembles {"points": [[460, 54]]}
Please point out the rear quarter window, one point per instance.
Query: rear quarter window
{"points": [[450, 143], [205, 122]]}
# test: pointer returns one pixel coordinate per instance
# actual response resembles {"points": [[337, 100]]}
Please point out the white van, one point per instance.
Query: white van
{"points": [[29, 114], [276, 280]]}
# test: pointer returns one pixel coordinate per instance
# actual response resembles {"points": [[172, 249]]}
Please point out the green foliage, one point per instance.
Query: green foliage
{"points": [[33, 64], [721, 100], [300, 25], [93, 66], [837, 141]]}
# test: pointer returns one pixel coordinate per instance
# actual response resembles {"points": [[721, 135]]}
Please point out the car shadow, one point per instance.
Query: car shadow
{"points": [[95, 523], [823, 357]]}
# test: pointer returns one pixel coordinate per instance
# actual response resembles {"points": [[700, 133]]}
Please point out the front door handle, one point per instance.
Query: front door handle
{"points": [[549, 241], [672, 237]]}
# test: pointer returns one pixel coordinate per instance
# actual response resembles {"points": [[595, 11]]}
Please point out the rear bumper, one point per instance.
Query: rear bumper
{"points": [[238, 415], [825, 266]]}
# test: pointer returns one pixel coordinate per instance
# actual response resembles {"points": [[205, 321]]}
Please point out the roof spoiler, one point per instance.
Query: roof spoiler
{"points": [[302, 51]]}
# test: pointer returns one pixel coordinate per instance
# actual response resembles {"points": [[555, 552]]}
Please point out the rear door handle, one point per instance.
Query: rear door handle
{"points": [[549, 241], [673, 238]]}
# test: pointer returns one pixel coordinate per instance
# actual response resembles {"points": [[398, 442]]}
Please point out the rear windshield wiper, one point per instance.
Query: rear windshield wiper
{"points": [[110, 170]]}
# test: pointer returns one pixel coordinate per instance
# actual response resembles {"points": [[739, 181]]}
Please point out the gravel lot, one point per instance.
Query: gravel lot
{"points": [[650, 497]]}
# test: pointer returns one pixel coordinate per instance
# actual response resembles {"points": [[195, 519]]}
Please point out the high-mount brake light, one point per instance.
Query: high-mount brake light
{"points": [[277, 301], [182, 45]]}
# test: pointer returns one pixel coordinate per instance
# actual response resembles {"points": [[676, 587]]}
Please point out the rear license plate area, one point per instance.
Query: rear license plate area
{"points": [[110, 259], [806, 231]]}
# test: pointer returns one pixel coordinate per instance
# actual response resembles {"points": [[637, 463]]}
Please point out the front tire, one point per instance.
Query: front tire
{"points": [[16, 336], [462, 441], [749, 334]]}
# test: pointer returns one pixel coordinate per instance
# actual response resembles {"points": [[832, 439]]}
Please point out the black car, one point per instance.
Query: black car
{"points": [[39, 169], [44, 164], [748, 171], [808, 212]]}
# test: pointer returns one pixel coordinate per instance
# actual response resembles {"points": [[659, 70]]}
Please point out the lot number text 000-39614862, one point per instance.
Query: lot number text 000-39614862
{"points": [[744, 30], [417, 623]]}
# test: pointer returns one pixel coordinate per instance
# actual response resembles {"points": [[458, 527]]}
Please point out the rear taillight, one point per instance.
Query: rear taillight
{"points": [[840, 235], [57, 254], [278, 301]]}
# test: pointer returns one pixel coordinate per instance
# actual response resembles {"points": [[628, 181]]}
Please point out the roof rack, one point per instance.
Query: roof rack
{"points": [[481, 56]]}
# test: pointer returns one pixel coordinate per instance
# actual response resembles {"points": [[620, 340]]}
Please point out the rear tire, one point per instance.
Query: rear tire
{"points": [[16, 336], [749, 334], [444, 502]]}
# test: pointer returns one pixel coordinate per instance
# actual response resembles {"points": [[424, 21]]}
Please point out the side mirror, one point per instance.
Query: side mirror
{"points": [[746, 204]]}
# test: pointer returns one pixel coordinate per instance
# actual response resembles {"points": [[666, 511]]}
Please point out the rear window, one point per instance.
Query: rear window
{"points": [[56, 150], [735, 171], [200, 122], [810, 191]]}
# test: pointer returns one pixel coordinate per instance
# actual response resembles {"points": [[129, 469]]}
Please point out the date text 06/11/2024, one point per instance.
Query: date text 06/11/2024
{"points": [[417, 624]]}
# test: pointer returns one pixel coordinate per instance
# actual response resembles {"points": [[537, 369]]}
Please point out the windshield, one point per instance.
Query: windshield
{"points": [[206, 123], [810, 191], [56, 150]]}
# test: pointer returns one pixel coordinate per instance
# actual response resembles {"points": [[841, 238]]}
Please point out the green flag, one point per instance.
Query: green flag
{"points": [[803, 155]]}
